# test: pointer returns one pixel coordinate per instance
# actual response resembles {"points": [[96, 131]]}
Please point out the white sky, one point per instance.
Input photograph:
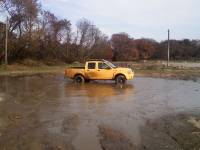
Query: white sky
{"points": [[139, 18]]}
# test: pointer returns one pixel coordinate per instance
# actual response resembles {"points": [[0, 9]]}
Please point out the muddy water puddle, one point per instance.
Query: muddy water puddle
{"points": [[48, 112]]}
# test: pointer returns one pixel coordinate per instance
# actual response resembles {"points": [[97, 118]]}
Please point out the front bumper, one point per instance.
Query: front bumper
{"points": [[130, 76]]}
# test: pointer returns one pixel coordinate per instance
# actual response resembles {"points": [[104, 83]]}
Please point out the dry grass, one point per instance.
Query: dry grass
{"points": [[159, 69], [147, 69], [23, 70]]}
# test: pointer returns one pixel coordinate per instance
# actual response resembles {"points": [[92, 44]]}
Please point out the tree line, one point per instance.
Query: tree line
{"points": [[37, 34]]}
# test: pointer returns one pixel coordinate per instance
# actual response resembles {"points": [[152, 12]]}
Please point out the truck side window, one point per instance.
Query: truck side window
{"points": [[103, 66], [91, 65]]}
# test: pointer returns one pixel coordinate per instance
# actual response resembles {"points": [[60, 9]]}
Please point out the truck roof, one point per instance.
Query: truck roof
{"points": [[96, 60]]}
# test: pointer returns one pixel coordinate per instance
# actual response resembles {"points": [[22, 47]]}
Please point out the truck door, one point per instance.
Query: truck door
{"points": [[91, 70], [104, 72]]}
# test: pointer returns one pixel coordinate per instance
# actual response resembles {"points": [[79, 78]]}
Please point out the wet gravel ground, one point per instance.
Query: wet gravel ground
{"points": [[48, 112]]}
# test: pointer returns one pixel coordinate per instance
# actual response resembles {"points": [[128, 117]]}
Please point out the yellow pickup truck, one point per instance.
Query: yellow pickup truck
{"points": [[99, 70]]}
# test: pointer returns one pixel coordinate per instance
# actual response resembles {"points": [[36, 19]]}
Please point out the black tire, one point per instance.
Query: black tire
{"points": [[120, 79], [79, 79], [87, 81]]}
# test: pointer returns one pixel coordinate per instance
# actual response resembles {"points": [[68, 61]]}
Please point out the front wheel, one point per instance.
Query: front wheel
{"points": [[87, 81], [120, 79], [79, 79]]}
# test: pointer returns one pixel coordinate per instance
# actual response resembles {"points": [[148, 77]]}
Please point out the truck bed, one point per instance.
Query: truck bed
{"points": [[77, 67], [72, 71]]}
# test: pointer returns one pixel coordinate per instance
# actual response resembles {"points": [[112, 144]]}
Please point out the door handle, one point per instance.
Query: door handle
{"points": [[99, 70]]}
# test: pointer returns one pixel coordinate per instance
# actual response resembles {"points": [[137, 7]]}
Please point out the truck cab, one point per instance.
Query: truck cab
{"points": [[99, 70]]}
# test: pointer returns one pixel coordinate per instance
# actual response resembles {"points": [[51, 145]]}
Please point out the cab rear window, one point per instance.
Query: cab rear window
{"points": [[91, 65]]}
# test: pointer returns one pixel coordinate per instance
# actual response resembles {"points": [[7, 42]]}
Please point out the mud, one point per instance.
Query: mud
{"points": [[112, 139], [48, 112]]}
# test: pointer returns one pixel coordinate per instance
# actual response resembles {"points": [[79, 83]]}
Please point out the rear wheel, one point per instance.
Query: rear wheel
{"points": [[79, 79], [120, 79]]}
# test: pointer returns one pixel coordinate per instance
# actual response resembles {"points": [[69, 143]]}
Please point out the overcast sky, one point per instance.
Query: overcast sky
{"points": [[139, 18]]}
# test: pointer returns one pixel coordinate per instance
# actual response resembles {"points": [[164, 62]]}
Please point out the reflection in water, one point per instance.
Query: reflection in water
{"points": [[99, 89], [1, 97]]}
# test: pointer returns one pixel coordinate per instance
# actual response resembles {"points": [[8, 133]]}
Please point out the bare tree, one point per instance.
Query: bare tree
{"points": [[88, 37]]}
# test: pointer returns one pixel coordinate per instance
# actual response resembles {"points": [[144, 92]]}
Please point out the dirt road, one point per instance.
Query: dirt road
{"points": [[47, 112]]}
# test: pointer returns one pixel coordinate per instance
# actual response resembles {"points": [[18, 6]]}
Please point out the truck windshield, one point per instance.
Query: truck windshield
{"points": [[111, 65]]}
